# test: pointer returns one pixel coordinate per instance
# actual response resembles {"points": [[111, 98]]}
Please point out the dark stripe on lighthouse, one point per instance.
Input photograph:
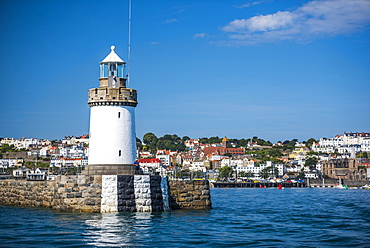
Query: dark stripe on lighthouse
{"points": [[156, 194], [126, 193]]}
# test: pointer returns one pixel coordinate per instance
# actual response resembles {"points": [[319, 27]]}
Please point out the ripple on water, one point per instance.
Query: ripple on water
{"points": [[240, 217]]}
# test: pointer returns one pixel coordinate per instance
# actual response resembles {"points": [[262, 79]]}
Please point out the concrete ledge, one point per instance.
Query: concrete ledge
{"points": [[109, 169]]}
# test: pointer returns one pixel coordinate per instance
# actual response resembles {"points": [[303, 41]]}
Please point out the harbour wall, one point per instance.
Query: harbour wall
{"points": [[117, 193], [334, 182], [308, 183], [194, 194]]}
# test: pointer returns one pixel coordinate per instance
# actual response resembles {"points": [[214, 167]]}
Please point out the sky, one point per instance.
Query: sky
{"points": [[275, 69]]}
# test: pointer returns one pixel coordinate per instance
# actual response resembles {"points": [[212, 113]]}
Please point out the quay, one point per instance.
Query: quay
{"points": [[257, 185]]}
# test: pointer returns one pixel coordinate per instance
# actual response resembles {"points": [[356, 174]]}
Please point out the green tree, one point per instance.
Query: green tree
{"points": [[310, 142], [242, 174], [54, 141], [311, 163], [171, 142], [264, 173], [214, 140], [211, 140], [150, 140], [225, 171], [301, 175], [242, 143], [291, 143], [269, 171], [245, 174], [139, 144], [362, 155], [7, 148]]}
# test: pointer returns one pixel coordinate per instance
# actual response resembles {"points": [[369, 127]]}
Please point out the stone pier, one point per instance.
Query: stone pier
{"points": [[107, 193]]}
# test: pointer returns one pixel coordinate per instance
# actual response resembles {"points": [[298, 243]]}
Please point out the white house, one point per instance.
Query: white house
{"points": [[44, 152], [316, 147], [68, 162], [334, 142], [21, 172], [197, 165], [352, 149], [10, 162], [354, 138], [365, 145], [37, 174], [165, 159], [152, 165], [311, 175]]}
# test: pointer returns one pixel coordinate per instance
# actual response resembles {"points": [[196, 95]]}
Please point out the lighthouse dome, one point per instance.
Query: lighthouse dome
{"points": [[112, 57]]}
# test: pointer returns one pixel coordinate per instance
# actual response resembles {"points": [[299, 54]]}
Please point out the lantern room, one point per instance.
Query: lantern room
{"points": [[112, 66]]}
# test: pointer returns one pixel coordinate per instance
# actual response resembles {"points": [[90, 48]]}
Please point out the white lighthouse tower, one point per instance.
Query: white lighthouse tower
{"points": [[112, 149]]}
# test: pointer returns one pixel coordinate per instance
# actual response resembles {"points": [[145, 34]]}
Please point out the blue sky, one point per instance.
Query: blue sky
{"points": [[276, 69]]}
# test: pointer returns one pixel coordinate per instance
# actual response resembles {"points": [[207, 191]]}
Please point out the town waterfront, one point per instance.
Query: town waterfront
{"points": [[250, 217]]}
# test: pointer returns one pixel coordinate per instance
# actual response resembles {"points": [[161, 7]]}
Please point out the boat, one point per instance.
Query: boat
{"points": [[366, 186], [340, 185]]}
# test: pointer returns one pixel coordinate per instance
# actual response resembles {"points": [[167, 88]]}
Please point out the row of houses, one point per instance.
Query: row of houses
{"points": [[26, 143], [70, 146], [208, 157], [348, 143], [333, 167]]}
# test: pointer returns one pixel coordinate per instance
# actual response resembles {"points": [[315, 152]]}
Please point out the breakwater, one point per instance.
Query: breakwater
{"points": [[117, 193], [334, 182]]}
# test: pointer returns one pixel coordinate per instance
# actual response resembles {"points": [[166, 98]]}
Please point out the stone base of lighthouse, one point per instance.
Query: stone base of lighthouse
{"points": [[111, 169]]}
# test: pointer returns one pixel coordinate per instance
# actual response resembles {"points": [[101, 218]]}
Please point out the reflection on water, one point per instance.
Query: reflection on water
{"points": [[133, 229], [109, 230]]}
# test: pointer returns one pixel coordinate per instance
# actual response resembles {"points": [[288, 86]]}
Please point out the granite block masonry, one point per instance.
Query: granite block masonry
{"points": [[107, 193]]}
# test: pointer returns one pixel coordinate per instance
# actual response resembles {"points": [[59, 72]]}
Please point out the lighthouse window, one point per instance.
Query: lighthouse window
{"points": [[119, 153], [112, 70], [119, 115]]}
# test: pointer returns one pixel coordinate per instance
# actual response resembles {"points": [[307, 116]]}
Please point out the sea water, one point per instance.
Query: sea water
{"points": [[241, 217]]}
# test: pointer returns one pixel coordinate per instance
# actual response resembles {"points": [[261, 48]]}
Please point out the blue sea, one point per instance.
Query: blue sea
{"points": [[241, 217]]}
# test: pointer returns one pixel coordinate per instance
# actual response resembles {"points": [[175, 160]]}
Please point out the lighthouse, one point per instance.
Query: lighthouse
{"points": [[112, 148]]}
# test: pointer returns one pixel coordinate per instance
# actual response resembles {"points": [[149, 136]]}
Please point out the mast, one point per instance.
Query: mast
{"points": [[129, 45]]}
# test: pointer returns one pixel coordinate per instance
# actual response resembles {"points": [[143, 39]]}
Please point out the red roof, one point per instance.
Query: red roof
{"points": [[149, 160], [222, 150]]}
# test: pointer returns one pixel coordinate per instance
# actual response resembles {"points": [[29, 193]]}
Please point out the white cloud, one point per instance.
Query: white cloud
{"points": [[248, 4], [251, 4], [261, 23], [201, 35], [170, 21], [313, 20]]}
